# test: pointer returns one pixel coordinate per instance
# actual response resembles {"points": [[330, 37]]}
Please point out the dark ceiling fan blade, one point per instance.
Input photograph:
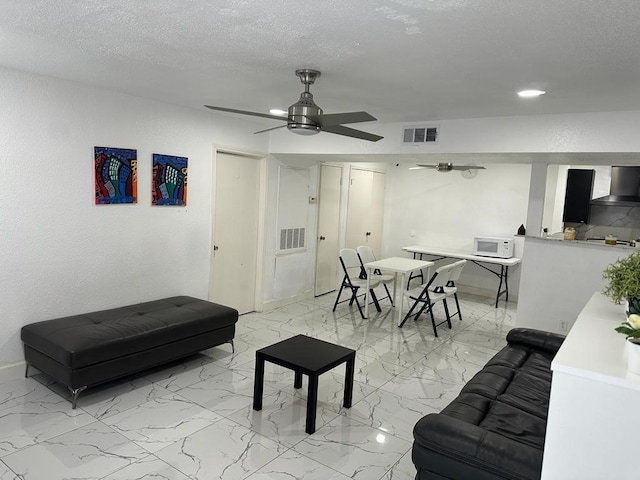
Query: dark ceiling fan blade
{"points": [[269, 129], [244, 112], [340, 118], [351, 132], [422, 165]]}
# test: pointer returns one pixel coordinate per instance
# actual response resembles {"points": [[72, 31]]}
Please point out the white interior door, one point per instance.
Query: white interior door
{"points": [[376, 212], [365, 210], [328, 223], [235, 231]]}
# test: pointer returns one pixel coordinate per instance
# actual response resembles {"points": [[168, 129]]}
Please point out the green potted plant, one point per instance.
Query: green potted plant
{"points": [[623, 282]]}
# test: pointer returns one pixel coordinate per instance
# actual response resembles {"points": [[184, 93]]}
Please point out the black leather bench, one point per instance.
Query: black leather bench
{"points": [[81, 351], [495, 428]]}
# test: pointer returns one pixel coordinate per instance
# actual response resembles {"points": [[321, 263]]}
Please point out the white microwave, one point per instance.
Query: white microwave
{"points": [[498, 247]]}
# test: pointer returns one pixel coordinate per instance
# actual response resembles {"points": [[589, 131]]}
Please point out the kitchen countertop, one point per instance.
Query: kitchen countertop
{"points": [[597, 243]]}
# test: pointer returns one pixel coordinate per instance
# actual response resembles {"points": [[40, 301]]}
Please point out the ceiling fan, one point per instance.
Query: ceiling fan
{"points": [[306, 118], [446, 167]]}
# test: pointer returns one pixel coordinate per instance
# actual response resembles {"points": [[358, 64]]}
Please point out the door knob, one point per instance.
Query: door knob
{"points": [[322, 238], [215, 248], [368, 234]]}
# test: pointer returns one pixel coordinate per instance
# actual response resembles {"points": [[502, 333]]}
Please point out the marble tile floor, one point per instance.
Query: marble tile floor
{"points": [[193, 419]]}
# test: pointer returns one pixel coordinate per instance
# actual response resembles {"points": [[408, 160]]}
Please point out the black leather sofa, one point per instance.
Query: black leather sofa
{"points": [[81, 351], [495, 428]]}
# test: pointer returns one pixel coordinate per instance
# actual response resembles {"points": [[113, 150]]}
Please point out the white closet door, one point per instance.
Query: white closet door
{"points": [[365, 210], [235, 231], [328, 229]]}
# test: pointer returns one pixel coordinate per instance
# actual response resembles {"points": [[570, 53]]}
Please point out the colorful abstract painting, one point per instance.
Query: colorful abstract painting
{"points": [[169, 180], [116, 175]]}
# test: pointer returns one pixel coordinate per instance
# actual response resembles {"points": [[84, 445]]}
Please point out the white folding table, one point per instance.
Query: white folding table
{"points": [[396, 265], [504, 263]]}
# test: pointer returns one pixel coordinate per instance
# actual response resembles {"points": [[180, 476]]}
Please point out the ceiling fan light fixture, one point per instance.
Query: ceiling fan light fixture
{"points": [[530, 93], [302, 129]]}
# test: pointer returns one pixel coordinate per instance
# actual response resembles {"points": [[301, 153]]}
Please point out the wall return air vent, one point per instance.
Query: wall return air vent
{"points": [[419, 135], [291, 238]]}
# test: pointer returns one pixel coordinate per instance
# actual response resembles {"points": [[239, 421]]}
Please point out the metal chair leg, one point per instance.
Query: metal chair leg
{"points": [[388, 294], [455, 296], [446, 311], [338, 297]]}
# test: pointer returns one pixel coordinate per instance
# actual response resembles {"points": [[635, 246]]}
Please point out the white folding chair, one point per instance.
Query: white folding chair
{"points": [[352, 268], [366, 255], [425, 297], [450, 289]]}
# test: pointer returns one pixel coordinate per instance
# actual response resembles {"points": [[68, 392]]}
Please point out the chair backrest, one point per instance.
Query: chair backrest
{"points": [[366, 254], [440, 278], [456, 271], [350, 258], [436, 283], [353, 269], [351, 264]]}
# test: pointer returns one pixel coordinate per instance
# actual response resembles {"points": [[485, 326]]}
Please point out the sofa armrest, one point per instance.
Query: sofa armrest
{"points": [[547, 341], [467, 450]]}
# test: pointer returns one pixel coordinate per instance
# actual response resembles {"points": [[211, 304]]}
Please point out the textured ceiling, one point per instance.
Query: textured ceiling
{"points": [[401, 60]]}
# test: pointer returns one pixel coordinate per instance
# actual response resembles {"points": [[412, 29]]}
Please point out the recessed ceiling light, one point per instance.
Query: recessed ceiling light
{"points": [[530, 93], [277, 111]]}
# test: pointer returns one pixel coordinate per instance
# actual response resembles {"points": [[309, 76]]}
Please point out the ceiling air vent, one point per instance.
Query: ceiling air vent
{"points": [[419, 135]]}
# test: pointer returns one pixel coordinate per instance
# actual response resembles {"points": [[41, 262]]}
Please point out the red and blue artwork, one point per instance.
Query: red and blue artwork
{"points": [[116, 175], [169, 180]]}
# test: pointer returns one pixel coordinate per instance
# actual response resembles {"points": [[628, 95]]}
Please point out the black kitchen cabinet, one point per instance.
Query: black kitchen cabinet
{"points": [[578, 195]]}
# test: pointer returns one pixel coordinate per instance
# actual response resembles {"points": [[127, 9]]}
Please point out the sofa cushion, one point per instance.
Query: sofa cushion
{"points": [[82, 340]]}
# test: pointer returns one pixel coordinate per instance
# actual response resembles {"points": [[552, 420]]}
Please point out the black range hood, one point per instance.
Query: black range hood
{"points": [[625, 188]]}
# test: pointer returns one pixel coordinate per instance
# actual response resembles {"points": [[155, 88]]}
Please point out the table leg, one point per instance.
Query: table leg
{"points": [[401, 303], [506, 282], [258, 382], [348, 383], [366, 294], [297, 382], [395, 289], [312, 403]]}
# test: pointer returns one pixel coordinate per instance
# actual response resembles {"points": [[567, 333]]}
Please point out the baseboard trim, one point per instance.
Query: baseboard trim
{"points": [[12, 372], [271, 304], [485, 292]]}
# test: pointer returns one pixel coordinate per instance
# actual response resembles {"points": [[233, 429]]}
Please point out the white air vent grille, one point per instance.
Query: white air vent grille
{"points": [[292, 238], [419, 135]]}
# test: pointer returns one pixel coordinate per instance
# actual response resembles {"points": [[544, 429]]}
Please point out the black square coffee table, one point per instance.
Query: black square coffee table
{"points": [[308, 356]]}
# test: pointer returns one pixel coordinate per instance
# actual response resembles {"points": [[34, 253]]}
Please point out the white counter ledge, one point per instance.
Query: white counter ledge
{"points": [[592, 425], [593, 349], [597, 244]]}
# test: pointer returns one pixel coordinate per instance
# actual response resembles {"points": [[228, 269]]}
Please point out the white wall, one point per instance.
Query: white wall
{"points": [[426, 207], [61, 254], [558, 279]]}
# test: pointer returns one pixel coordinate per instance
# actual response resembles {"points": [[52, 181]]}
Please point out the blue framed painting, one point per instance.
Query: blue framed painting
{"points": [[169, 184], [116, 175]]}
